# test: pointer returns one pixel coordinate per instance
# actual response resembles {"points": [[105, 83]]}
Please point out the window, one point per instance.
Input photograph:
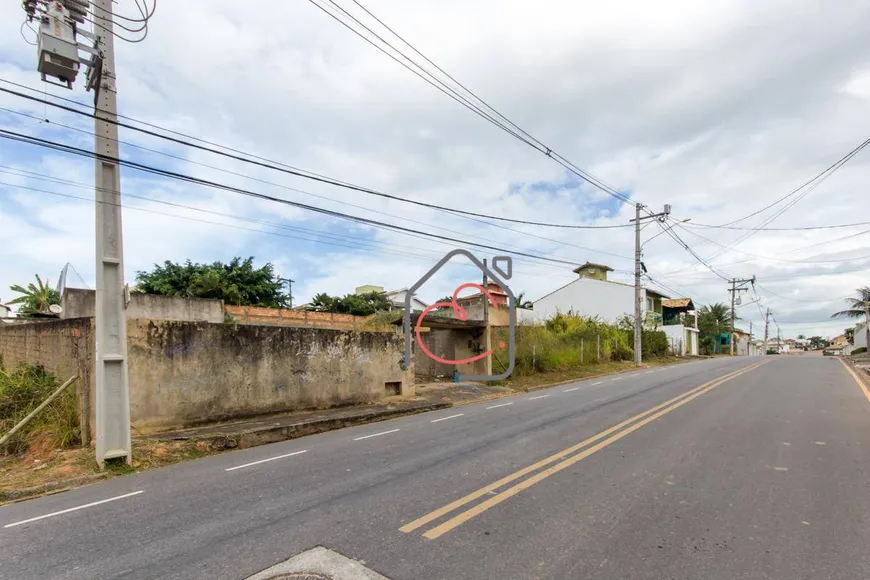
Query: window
{"points": [[649, 303]]}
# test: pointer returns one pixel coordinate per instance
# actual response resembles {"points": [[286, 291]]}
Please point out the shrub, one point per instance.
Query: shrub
{"points": [[21, 391], [860, 350], [557, 345]]}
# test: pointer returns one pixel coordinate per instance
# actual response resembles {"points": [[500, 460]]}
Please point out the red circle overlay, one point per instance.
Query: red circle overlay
{"points": [[461, 314]]}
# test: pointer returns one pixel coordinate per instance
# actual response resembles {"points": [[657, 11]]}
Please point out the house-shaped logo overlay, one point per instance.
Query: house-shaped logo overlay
{"points": [[496, 274]]}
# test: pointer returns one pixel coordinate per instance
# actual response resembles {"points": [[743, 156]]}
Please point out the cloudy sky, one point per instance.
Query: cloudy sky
{"points": [[718, 108]]}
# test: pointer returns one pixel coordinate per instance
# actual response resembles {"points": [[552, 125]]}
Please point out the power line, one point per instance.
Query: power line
{"points": [[819, 177], [190, 179], [296, 171], [339, 237], [793, 250], [694, 225], [481, 108], [332, 200]]}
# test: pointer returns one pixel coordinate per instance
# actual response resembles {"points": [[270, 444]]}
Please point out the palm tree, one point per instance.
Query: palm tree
{"points": [[859, 307], [714, 318], [36, 297], [521, 302]]}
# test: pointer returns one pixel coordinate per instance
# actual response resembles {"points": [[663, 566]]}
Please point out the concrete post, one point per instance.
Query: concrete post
{"points": [[112, 423]]}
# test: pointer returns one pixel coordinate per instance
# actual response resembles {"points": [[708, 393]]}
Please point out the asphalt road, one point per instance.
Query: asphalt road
{"points": [[680, 473]]}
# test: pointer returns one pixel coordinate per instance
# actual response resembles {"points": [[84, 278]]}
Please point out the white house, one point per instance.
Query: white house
{"points": [[396, 297], [5, 311], [592, 294]]}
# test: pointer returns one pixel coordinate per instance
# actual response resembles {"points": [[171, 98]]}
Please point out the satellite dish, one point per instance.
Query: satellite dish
{"points": [[55, 309]]}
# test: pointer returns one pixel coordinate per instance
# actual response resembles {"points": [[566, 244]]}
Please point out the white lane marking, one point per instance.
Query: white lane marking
{"points": [[569, 390], [445, 418], [265, 460], [538, 397], [502, 405], [598, 383], [73, 509], [617, 378], [649, 372], [375, 435]]}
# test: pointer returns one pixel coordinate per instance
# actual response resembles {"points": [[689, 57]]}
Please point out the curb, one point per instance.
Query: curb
{"points": [[49, 487], [264, 435], [589, 378]]}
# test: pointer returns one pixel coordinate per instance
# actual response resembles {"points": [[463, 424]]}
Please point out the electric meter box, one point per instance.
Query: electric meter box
{"points": [[57, 47]]}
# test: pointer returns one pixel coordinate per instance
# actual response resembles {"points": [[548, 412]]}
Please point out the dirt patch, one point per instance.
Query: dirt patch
{"points": [[540, 380], [43, 466]]}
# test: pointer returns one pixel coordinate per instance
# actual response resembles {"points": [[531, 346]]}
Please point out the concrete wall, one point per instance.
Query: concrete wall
{"points": [[683, 340], [64, 347], [609, 301], [78, 303], [450, 344], [297, 318], [183, 373], [860, 337], [441, 342]]}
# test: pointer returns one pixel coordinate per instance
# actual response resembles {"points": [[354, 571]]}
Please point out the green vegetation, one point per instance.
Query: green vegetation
{"points": [[34, 298], [557, 346], [861, 350], [356, 304], [858, 308], [21, 391], [238, 282]]}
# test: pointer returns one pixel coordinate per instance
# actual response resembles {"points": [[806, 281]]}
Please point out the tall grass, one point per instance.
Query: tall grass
{"points": [[21, 391], [569, 341]]}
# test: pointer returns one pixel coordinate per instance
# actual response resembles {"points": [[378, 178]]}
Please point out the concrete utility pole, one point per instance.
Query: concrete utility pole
{"points": [[638, 359], [112, 386], [766, 327], [735, 290], [487, 337], [749, 346], [638, 297]]}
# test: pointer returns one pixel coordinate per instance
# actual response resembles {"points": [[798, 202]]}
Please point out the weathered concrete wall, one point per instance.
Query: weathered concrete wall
{"points": [[78, 303], [297, 318], [64, 347], [183, 374], [439, 341]]}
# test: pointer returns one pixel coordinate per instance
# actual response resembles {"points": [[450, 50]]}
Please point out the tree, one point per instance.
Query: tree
{"points": [[714, 319], [237, 282], [817, 342], [850, 335], [356, 304], [802, 337], [859, 307], [36, 297], [521, 302]]}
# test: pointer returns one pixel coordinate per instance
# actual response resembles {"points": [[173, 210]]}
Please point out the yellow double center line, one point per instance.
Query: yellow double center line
{"points": [[620, 430]]}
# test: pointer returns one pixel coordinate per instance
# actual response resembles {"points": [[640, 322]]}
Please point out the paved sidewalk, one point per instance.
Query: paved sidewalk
{"points": [[272, 428]]}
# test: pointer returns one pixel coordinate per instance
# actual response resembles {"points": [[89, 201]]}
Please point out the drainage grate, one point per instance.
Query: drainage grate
{"points": [[392, 388]]}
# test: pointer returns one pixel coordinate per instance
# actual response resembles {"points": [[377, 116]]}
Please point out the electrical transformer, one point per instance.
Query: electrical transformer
{"points": [[56, 45]]}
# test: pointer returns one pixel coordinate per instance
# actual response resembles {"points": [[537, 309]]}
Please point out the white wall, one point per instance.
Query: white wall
{"points": [[609, 301], [860, 337], [398, 298], [676, 334]]}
